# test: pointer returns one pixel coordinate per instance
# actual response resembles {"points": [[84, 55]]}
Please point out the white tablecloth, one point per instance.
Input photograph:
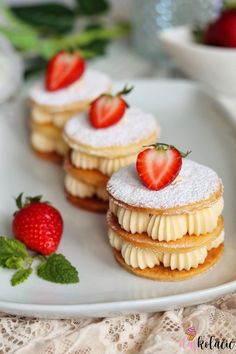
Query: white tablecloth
{"points": [[134, 334]]}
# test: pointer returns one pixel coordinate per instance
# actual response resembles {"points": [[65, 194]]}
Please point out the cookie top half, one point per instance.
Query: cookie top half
{"points": [[92, 84], [196, 187], [135, 129]]}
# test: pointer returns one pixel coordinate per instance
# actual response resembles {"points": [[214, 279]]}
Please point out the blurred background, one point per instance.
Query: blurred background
{"points": [[118, 37]]}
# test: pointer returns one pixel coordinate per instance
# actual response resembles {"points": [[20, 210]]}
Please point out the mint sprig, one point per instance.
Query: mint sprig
{"points": [[14, 262], [58, 269], [11, 248], [20, 276], [55, 268]]}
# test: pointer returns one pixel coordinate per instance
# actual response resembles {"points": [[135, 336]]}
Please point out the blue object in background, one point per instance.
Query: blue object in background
{"points": [[150, 16]]}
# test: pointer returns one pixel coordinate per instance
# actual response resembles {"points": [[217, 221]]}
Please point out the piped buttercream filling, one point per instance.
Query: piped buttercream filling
{"points": [[45, 144], [83, 190], [148, 258], [41, 116], [105, 165], [168, 227]]}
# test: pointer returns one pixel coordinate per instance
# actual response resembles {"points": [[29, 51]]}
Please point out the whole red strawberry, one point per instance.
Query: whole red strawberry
{"points": [[222, 32], [107, 109], [37, 224], [159, 165], [64, 69]]}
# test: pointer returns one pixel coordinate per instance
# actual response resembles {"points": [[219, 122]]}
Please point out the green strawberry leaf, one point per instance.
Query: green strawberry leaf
{"points": [[11, 248], [35, 199], [198, 34], [18, 200], [58, 269], [20, 276], [229, 4], [20, 203]]}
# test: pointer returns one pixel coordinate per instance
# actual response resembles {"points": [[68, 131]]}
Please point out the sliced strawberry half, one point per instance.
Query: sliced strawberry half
{"points": [[107, 109], [64, 69], [159, 165]]}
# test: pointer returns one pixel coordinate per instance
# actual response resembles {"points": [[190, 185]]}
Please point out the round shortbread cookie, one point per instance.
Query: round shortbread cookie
{"points": [[48, 156], [76, 96], [197, 187], [134, 130], [94, 204], [93, 177], [185, 244], [162, 273]]}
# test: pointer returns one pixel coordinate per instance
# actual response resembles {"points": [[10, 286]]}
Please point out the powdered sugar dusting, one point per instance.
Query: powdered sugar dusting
{"points": [[197, 183], [92, 84], [132, 128]]}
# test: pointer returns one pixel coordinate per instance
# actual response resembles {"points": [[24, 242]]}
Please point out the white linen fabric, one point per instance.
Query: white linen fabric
{"points": [[131, 334]]}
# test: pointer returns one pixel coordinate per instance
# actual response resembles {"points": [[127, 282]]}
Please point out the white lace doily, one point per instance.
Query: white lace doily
{"points": [[132, 334]]}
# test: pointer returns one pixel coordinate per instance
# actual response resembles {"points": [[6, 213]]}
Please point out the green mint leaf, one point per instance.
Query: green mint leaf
{"points": [[58, 269], [14, 262], [20, 276], [11, 248]]}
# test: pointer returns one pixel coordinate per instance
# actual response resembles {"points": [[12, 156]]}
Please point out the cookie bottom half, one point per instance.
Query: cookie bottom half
{"points": [[93, 204], [53, 157], [162, 273]]}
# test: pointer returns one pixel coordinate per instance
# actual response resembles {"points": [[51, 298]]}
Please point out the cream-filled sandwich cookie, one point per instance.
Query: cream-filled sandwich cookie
{"points": [[139, 251], [96, 153], [172, 229], [163, 273], [67, 90], [190, 205]]}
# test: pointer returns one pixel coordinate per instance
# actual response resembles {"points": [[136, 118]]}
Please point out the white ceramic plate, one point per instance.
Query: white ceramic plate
{"points": [[190, 120], [212, 66]]}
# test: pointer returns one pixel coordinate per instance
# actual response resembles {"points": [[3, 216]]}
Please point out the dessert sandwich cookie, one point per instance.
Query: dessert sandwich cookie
{"points": [[101, 142], [68, 89], [164, 217]]}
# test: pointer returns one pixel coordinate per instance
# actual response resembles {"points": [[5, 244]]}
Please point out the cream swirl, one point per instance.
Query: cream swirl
{"points": [[148, 258], [58, 119], [105, 165], [168, 227], [83, 190], [45, 144]]}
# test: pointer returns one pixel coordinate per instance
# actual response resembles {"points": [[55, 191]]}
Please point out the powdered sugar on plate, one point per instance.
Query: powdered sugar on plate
{"points": [[197, 183], [92, 84], [135, 126]]}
